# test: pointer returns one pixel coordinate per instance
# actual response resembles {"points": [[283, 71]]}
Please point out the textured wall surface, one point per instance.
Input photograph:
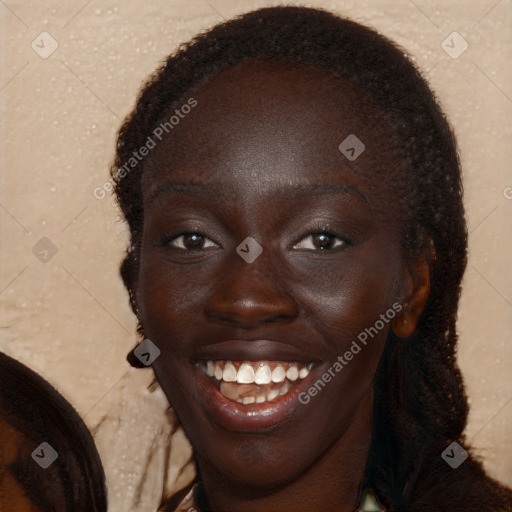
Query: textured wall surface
{"points": [[70, 73]]}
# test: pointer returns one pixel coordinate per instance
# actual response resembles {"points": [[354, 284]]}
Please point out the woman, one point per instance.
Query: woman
{"points": [[48, 459], [297, 247]]}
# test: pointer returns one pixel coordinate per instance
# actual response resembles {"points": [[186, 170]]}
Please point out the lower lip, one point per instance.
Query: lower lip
{"points": [[238, 417]]}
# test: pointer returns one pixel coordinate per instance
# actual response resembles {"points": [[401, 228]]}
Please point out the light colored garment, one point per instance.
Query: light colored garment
{"points": [[144, 451]]}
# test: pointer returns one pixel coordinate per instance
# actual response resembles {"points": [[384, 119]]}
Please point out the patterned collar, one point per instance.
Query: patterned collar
{"points": [[369, 503]]}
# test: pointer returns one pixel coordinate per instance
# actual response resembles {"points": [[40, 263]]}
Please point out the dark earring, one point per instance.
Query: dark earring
{"points": [[132, 359]]}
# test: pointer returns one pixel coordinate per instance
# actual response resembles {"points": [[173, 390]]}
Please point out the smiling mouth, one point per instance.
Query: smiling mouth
{"points": [[249, 382]]}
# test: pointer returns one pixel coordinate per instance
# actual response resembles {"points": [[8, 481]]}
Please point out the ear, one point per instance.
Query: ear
{"points": [[417, 289], [129, 273]]}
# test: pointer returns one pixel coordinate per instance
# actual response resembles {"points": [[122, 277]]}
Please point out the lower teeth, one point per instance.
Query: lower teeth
{"points": [[252, 393]]}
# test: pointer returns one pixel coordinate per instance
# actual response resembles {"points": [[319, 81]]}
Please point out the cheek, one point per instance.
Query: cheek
{"points": [[163, 322], [166, 296], [350, 304], [345, 298]]}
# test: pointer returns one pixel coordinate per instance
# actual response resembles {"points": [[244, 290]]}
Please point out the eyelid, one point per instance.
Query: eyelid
{"points": [[345, 242], [167, 239], [206, 238]]}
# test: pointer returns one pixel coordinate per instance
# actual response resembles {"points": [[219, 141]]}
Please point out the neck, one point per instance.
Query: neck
{"points": [[332, 483]]}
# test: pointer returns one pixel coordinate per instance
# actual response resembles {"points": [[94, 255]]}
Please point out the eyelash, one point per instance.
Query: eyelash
{"points": [[166, 240], [326, 230], [316, 230]]}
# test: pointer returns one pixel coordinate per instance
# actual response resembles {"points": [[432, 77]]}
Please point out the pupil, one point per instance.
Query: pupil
{"points": [[193, 242], [324, 241]]}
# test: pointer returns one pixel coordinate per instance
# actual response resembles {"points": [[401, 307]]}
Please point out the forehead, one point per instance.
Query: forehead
{"points": [[264, 124]]}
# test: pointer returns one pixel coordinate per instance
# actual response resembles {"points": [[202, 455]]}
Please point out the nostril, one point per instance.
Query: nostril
{"points": [[282, 318], [251, 309], [219, 318], [249, 320]]}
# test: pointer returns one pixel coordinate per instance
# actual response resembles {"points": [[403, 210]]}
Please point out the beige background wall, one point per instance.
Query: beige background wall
{"points": [[68, 317]]}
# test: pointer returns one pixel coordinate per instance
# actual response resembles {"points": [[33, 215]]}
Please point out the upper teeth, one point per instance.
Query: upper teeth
{"points": [[259, 372]]}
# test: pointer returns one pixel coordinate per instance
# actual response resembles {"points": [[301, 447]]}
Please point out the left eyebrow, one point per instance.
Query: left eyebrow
{"points": [[306, 189]]}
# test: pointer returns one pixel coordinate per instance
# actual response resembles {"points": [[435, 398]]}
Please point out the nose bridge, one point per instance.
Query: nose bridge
{"points": [[249, 293]]}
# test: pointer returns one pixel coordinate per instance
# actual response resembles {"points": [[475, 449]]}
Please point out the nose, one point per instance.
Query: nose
{"points": [[249, 294]]}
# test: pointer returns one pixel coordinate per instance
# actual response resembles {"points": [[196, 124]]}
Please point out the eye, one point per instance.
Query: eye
{"points": [[190, 241], [321, 241]]}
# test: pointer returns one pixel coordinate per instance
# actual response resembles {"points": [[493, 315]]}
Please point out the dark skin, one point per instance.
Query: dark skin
{"points": [[331, 264]]}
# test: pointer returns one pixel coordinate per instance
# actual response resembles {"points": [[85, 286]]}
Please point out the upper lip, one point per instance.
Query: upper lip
{"points": [[255, 350]]}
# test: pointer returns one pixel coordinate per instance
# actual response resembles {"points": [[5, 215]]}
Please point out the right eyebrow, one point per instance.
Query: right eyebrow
{"points": [[190, 188]]}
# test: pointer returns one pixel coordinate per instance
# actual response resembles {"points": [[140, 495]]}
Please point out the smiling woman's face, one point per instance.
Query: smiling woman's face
{"points": [[258, 157]]}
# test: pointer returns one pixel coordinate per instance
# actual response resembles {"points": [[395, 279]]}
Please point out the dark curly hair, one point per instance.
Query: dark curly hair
{"points": [[420, 405]]}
